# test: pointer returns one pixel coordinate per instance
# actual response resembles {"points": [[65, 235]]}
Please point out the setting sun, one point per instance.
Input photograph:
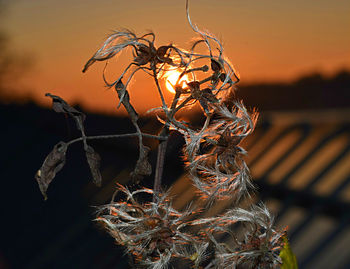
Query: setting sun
{"points": [[171, 79]]}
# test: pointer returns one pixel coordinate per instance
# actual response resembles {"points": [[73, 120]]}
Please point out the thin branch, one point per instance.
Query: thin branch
{"points": [[159, 89], [183, 104], [115, 136], [160, 161]]}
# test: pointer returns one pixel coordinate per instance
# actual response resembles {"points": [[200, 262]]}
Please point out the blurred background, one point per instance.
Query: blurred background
{"points": [[294, 63]]}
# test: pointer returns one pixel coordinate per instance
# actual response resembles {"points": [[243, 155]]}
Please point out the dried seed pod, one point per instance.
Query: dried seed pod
{"points": [[162, 50], [215, 65], [144, 54], [161, 54], [222, 77], [153, 232]]}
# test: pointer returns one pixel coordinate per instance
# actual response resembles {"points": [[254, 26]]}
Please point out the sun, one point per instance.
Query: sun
{"points": [[171, 79]]}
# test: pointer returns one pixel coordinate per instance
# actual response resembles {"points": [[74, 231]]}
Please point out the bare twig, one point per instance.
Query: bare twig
{"points": [[96, 137], [160, 161], [164, 106]]}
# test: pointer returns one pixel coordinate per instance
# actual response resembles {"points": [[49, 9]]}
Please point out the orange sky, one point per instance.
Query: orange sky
{"points": [[265, 40]]}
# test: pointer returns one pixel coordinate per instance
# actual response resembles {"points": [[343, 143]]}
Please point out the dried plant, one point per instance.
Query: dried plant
{"points": [[151, 230]]}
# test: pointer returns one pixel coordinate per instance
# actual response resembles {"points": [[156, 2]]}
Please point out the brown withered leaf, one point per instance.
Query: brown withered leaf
{"points": [[61, 106], [94, 162], [52, 164], [143, 167], [124, 98]]}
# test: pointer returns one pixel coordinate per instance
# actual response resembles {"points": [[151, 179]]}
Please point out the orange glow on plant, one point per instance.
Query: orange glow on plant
{"points": [[171, 79]]}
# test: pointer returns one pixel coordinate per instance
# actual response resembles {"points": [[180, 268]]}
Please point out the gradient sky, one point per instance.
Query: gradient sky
{"points": [[266, 40]]}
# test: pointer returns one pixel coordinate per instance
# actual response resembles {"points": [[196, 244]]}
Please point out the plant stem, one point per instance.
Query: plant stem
{"points": [[159, 89], [114, 136], [160, 161]]}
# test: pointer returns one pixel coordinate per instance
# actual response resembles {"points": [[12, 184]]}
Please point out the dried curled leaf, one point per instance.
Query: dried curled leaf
{"points": [[52, 164], [61, 106], [124, 98], [94, 162], [143, 167]]}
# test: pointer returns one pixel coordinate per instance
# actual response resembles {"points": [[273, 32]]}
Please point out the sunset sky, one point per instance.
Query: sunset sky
{"points": [[266, 40]]}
